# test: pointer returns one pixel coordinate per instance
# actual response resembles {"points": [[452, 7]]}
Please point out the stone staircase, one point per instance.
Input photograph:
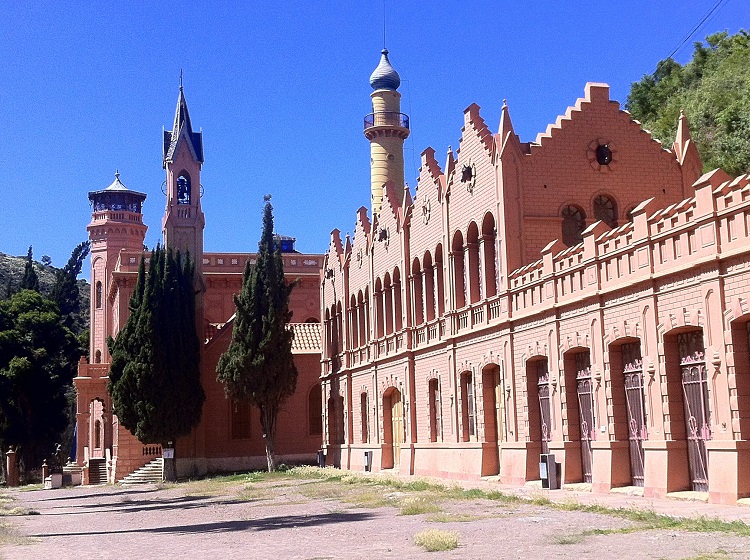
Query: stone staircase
{"points": [[97, 471], [152, 472]]}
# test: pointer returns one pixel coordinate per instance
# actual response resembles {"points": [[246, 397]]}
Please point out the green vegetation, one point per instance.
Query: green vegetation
{"points": [[154, 378], [417, 505], [434, 540], [258, 367], [38, 359], [713, 89]]}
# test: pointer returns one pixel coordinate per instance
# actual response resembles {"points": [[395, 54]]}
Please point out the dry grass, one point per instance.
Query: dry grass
{"points": [[416, 505], [443, 517], [434, 540]]}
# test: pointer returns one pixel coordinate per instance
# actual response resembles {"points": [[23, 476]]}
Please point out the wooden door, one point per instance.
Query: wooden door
{"points": [[397, 426]]}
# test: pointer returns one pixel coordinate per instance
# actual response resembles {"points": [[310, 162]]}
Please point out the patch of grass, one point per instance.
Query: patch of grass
{"points": [[9, 536], [443, 517], [417, 505], [569, 539], [718, 555], [434, 540]]}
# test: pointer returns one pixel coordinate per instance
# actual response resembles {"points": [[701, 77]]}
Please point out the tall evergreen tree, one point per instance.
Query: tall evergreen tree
{"points": [[258, 367], [65, 290], [154, 375], [38, 358], [30, 280]]}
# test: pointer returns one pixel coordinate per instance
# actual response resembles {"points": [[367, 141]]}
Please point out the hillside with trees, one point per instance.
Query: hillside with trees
{"points": [[713, 90]]}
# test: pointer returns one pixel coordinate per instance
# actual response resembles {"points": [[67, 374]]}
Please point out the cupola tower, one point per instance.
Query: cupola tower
{"points": [[183, 221], [386, 128], [116, 227]]}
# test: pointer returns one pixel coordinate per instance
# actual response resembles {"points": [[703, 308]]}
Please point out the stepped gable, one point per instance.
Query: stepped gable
{"points": [[430, 171], [393, 201], [473, 120], [362, 229], [506, 135], [595, 93], [336, 249]]}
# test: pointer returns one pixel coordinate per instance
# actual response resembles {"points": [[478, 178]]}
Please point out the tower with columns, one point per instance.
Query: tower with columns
{"points": [[386, 128]]}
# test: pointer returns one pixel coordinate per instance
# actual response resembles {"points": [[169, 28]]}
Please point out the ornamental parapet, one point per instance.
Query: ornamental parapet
{"points": [[712, 225]]}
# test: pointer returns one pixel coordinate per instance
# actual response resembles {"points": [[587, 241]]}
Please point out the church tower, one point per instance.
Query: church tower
{"points": [[386, 128], [116, 225], [184, 221]]}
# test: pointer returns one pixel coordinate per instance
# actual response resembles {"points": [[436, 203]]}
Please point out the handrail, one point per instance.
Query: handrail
{"points": [[386, 118]]}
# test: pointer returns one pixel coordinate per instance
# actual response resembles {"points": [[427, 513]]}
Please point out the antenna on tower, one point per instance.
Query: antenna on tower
{"points": [[384, 24], [180, 78]]}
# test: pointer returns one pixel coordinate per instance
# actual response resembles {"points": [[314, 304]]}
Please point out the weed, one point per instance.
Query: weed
{"points": [[569, 539], [444, 517], [418, 505], [433, 540]]}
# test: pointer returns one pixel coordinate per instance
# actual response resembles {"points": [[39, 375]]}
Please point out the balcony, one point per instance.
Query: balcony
{"points": [[387, 118]]}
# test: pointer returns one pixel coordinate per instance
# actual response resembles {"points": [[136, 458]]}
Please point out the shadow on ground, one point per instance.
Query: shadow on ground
{"points": [[265, 524]]}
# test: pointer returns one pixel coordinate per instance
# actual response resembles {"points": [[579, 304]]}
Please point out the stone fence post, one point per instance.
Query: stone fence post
{"points": [[12, 468]]}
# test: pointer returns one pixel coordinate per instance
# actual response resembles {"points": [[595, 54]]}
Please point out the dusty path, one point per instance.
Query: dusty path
{"points": [[290, 518]]}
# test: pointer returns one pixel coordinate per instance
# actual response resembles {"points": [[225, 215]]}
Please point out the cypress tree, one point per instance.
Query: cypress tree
{"points": [[258, 367], [30, 280], [65, 291], [155, 372]]}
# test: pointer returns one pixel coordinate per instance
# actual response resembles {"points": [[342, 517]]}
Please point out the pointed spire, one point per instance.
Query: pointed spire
{"points": [[506, 125], [683, 136], [182, 125]]}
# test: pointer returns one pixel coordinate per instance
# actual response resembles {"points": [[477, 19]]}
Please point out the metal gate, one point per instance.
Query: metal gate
{"points": [[544, 405], [585, 390], [697, 416], [637, 432]]}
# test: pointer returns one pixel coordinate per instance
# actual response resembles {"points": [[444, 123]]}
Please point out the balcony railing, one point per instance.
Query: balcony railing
{"points": [[386, 118]]}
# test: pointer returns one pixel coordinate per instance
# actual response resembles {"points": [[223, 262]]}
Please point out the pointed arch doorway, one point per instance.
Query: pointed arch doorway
{"points": [[393, 428]]}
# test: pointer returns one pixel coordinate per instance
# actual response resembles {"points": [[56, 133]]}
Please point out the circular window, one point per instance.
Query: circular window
{"points": [[603, 154]]}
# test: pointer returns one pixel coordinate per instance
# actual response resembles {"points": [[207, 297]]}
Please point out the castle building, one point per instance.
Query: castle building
{"points": [[584, 295], [229, 436]]}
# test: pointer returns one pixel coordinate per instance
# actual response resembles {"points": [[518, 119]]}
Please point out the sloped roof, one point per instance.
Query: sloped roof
{"points": [[306, 338]]}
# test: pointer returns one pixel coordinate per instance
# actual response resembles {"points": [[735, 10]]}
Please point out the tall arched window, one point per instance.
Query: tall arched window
{"points": [[573, 224], [397, 309], [457, 257], [429, 286], [353, 323], [440, 288], [98, 295], [183, 189], [472, 246], [417, 294], [314, 413], [489, 255], [605, 209]]}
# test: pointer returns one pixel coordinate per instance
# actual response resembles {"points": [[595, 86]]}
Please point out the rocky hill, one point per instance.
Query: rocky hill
{"points": [[11, 269]]}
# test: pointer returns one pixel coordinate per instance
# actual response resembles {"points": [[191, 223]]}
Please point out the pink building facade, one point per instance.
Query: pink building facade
{"points": [[584, 294], [229, 436]]}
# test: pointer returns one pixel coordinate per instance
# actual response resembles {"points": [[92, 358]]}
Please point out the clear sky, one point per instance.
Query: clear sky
{"points": [[280, 90]]}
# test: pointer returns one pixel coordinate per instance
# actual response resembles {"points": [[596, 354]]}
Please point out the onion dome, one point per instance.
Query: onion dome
{"points": [[385, 76]]}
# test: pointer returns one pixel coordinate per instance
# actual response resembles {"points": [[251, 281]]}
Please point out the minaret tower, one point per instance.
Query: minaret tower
{"points": [[386, 128], [183, 221], [116, 225]]}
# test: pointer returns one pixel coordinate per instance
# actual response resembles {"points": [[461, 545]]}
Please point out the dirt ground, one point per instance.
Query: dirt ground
{"points": [[314, 519]]}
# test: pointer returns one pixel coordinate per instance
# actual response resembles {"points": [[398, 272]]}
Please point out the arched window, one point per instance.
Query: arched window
{"points": [[98, 295], [468, 423], [417, 294], [98, 357], [353, 323], [97, 434], [605, 209], [440, 288], [397, 309], [312, 320], [364, 409], [435, 406], [573, 224], [429, 286], [457, 257], [489, 255], [379, 316], [183, 189], [472, 245], [388, 305]]}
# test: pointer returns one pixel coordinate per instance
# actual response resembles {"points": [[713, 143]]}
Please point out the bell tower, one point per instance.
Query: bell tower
{"points": [[183, 221], [386, 128]]}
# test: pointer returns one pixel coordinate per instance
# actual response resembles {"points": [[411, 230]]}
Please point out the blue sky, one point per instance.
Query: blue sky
{"points": [[280, 89]]}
